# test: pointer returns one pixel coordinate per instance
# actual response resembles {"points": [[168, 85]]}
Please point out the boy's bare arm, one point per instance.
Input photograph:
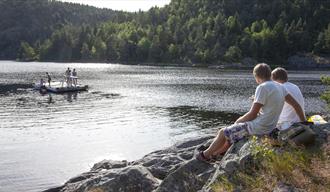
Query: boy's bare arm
{"points": [[291, 101], [252, 114]]}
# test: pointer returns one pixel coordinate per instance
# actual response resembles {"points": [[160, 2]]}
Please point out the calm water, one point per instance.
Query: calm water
{"points": [[128, 112]]}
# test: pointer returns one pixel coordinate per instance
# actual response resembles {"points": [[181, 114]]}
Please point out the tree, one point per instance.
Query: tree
{"points": [[86, 54], [233, 54], [155, 51], [100, 49], [143, 49], [27, 52], [323, 42], [185, 31], [173, 51]]}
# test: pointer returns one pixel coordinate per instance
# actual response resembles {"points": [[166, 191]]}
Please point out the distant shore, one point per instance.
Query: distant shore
{"points": [[229, 66]]}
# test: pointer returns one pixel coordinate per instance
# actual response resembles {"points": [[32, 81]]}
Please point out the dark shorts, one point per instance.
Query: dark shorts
{"points": [[236, 132]]}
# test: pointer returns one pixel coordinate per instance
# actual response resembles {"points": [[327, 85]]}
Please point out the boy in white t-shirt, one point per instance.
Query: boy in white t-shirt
{"points": [[288, 115], [260, 120]]}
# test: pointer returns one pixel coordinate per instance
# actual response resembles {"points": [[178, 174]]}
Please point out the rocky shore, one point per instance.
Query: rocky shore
{"points": [[171, 170]]}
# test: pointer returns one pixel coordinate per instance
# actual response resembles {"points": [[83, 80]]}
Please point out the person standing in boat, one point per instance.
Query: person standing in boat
{"points": [[74, 77], [67, 76], [49, 78], [42, 82]]}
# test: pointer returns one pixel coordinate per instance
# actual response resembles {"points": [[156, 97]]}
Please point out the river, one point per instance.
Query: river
{"points": [[128, 112]]}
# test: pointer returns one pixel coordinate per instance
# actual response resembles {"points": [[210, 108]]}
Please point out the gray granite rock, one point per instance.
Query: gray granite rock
{"points": [[191, 176], [109, 164], [282, 187], [170, 170], [134, 178]]}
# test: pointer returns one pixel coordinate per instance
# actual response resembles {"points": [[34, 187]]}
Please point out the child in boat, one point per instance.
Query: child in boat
{"points": [[42, 82], [74, 77], [288, 115], [269, 100], [49, 78]]}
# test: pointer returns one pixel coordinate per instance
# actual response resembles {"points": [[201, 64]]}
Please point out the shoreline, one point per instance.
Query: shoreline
{"points": [[234, 66]]}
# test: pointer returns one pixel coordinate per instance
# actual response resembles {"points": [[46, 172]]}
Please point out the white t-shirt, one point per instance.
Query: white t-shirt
{"points": [[289, 115], [272, 96]]}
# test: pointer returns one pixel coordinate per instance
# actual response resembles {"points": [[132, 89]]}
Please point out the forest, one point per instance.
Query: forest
{"points": [[31, 22], [184, 32]]}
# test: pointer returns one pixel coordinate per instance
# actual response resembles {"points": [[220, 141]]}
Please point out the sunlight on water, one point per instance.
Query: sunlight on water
{"points": [[128, 112]]}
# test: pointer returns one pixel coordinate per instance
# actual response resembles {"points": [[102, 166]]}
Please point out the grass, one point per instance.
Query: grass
{"points": [[298, 167], [325, 80], [326, 95]]}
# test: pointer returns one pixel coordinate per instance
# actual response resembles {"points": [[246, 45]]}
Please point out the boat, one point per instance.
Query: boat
{"points": [[60, 87]]}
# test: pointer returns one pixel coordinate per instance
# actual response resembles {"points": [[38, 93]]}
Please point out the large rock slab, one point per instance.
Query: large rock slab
{"points": [[191, 176], [134, 178], [171, 170]]}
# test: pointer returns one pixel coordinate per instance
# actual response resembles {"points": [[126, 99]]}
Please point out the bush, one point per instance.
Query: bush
{"points": [[325, 80], [233, 54], [326, 95], [298, 167]]}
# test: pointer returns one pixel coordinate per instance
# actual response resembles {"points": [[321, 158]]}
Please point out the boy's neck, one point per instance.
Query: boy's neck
{"points": [[264, 80]]}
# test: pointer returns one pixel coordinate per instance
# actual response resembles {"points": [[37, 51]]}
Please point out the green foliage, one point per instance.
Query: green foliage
{"points": [[233, 54], [27, 52], [326, 95], [261, 149], [36, 20], [323, 41], [325, 80], [302, 168], [185, 31]]}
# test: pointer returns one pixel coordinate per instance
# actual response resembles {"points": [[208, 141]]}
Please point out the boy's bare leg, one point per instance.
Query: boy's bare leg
{"points": [[222, 149], [217, 144]]}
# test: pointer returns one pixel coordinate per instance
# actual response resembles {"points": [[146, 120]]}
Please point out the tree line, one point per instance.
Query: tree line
{"points": [[190, 31], [31, 22]]}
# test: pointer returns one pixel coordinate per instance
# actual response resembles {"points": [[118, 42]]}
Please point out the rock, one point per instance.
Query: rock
{"points": [[323, 133], [109, 164], [83, 177], [173, 169], [161, 163], [212, 180], [236, 157], [303, 61], [135, 178], [281, 187], [191, 176]]}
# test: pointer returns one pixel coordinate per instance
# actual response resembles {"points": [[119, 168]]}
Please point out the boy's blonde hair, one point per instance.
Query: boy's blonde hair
{"points": [[263, 71], [280, 74]]}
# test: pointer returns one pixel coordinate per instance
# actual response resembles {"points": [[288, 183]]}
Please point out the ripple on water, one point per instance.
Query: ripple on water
{"points": [[128, 112]]}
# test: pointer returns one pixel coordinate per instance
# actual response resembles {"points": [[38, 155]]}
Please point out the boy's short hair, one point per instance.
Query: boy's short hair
{"points": [[280, 74], [263, 71]]}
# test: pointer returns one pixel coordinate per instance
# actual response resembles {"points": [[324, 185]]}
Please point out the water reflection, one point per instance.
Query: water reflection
{"points": [[71, 96], [202, 118], [14, 88], [50, 99]]}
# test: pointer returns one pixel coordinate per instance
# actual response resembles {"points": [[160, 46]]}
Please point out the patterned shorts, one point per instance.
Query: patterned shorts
{"points": [[236, 132]]}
